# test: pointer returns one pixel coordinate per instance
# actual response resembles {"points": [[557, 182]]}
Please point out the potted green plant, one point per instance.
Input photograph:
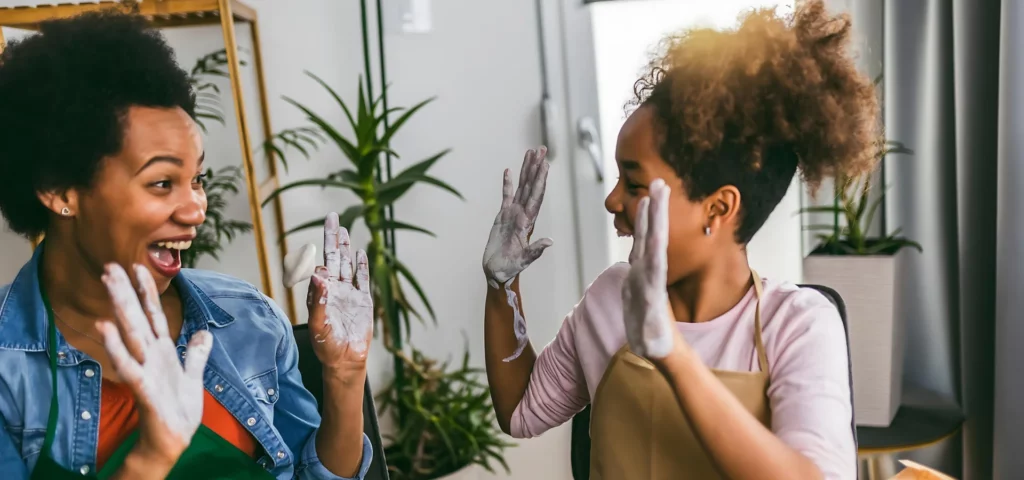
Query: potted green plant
{"points": [[862, 268], [219, 184], [442, 413]]}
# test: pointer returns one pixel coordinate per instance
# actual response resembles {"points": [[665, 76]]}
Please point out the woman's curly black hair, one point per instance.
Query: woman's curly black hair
{"points": [[747, 107], [64, 96]]}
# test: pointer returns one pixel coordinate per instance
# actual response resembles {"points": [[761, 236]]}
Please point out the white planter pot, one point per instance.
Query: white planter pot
{"points": [[470, 472], [866, 284]]}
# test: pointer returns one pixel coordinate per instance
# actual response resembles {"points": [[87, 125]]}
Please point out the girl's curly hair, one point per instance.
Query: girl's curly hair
{"points": [[748, 106]]}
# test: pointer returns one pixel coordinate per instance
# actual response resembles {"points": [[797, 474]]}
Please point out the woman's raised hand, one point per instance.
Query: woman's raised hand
{"points": [[340, 303], [508, 251], [169, 396]]}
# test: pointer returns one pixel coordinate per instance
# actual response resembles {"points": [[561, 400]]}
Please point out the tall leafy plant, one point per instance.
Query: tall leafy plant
{"points": [[443, 413], [358, 174]]}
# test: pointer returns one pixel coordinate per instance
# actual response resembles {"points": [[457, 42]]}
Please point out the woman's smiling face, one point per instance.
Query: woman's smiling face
{"points": [[146, 201]]}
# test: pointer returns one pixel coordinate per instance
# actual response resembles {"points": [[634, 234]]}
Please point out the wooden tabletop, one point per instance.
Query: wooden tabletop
{"points": [[924, 418]]}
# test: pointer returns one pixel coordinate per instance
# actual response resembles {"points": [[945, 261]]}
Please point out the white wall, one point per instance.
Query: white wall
{"points": [[625, 34]]}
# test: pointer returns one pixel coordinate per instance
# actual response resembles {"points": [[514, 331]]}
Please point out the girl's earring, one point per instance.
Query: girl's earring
{"points": [[65, 211], [707, 231]]}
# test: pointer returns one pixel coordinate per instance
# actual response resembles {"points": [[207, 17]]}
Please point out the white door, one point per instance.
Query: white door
{"points": [[594, 52]]}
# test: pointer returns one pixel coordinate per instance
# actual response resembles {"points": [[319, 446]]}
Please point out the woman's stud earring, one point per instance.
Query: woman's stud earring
{"points": [[65, 211], [707, 231]]}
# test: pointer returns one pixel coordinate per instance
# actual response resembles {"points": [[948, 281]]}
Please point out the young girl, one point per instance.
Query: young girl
{"points": [[697, 367]]}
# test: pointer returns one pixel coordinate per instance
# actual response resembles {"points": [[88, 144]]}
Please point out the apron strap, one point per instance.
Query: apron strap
{"points": [[762, 357], [51, 351]]}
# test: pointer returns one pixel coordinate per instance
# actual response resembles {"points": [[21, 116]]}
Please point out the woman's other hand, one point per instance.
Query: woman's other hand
{"points": [[508, 251], [169, 396], [340, 303], [649, 321]]}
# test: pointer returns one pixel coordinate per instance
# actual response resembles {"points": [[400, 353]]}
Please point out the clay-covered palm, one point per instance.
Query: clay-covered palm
{"points": [[340, 303], [509, 251], [650, 329], [169, 396]]}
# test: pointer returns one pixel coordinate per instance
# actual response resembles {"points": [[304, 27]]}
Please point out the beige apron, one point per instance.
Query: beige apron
{"points": [[639, 431]]}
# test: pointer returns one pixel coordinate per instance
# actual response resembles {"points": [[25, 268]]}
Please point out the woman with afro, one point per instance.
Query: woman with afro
{"points": [[696, 366], [116, 362]]}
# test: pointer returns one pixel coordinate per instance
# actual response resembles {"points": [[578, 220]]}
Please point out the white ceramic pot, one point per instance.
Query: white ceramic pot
{"points": [[866, 284], [470, 472]]}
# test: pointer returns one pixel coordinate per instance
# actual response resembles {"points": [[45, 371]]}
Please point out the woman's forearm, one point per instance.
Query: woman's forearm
{"points": [[507, 380], [740, 446], [339, 441]]}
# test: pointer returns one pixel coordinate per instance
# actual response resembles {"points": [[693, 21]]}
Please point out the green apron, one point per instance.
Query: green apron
{"points": [[208, 456]]}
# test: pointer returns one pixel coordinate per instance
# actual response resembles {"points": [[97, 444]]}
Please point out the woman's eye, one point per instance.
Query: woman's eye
{"points": [[200, 179], [162, 184]]}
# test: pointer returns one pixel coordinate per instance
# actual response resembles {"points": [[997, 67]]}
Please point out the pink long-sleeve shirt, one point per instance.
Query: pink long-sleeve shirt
{"points": [[804, 338]]}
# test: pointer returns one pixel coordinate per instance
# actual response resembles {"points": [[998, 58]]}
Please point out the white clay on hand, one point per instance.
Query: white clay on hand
{"points": [[299, 265], [346, 285], [171, 392], [508, 251], [649, 323]]}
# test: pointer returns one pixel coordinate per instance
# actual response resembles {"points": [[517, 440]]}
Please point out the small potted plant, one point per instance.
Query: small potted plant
{"points": [[862, 268]]}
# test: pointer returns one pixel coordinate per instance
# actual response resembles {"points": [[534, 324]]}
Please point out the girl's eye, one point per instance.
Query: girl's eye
{"points": [[162, 184], [200, 179]]}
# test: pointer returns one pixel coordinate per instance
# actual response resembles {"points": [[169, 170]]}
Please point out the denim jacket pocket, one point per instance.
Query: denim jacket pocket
{"points": [[264, 386], [28, 440]]}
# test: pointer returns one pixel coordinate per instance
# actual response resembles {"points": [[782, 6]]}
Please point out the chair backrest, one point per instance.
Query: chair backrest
{"points": [[311, 370], [580, 447]]}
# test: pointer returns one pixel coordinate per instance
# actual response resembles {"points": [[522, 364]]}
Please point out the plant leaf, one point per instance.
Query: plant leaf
{"points": [[350, 215], [395, 224], [346, 146], [391, 191], [338, 100], [402, 269], [390, 132], [319, 182]]}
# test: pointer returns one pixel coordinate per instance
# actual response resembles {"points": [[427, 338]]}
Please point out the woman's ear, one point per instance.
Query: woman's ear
{"points": [[63, 203], [722, 207]]}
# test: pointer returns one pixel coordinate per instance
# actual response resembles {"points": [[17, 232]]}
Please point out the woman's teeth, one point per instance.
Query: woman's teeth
{"points": [[185, 245]]}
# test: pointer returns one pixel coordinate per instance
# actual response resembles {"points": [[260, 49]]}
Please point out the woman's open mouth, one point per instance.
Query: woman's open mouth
{"points": [[165, 256]]}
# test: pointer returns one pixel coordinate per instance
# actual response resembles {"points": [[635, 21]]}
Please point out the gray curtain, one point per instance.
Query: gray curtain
{"points": [[950, 71]]}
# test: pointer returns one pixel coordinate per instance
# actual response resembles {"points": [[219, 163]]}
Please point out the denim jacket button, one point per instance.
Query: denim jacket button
{"points": [[218, 388], [280, 455], [89, 373], [84, 470], [251, 421], [270, 391], [62, 355], [86, 415]]}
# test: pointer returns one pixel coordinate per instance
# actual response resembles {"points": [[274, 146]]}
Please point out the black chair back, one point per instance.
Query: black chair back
{"points": [[580, 447], [311, 370]]}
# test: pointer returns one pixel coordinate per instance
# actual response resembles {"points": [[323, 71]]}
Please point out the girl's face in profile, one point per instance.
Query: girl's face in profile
{"points": [[639, 163], [146, 201]]}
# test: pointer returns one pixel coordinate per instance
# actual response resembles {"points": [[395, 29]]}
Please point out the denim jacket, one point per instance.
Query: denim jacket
{"points": [[252, 371]]}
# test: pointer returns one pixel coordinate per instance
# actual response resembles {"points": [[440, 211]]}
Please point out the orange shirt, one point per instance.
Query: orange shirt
{"points": [[118, 418]]}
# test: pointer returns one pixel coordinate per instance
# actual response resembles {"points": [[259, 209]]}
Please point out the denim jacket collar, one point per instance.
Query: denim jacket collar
{"points": [[23, 319]]}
